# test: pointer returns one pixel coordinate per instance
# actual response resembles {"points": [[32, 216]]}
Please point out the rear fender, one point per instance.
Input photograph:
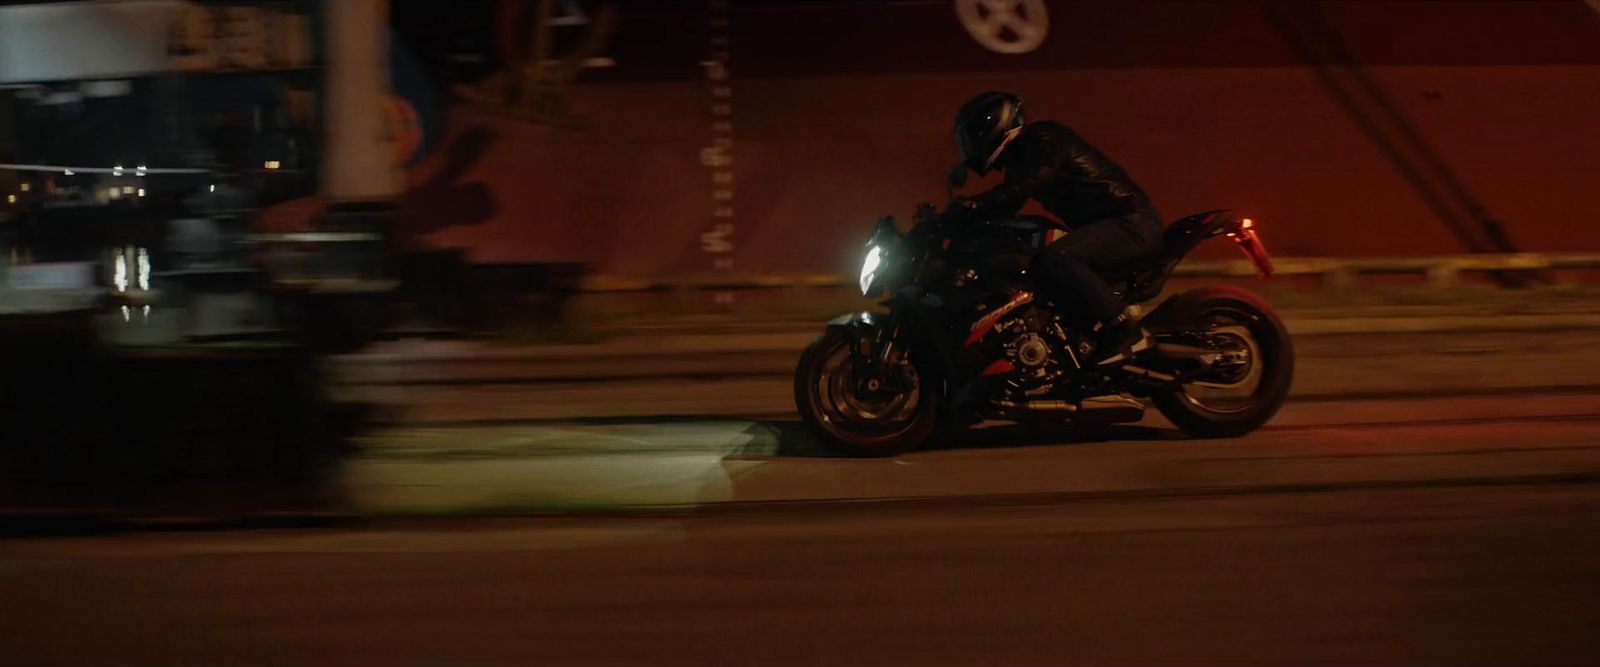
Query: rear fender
{"points": [[1185, 234]]}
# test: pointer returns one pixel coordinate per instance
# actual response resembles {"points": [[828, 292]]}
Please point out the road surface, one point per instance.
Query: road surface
{"points": [[1449, 530], [690, 460]]}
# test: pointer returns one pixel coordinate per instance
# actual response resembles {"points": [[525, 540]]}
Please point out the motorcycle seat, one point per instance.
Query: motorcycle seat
{"points": [[1144, 281]]}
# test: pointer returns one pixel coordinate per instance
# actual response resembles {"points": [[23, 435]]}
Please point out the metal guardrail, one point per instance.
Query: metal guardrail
{"points": [[1441, 271]]}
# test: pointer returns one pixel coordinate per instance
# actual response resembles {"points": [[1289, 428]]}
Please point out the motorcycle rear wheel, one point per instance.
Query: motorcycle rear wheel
{"points": [[1205, 409], [838, 405]]}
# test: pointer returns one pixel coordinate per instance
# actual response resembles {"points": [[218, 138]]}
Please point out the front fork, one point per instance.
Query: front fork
{"points": [[878, 354], [888, 344]]}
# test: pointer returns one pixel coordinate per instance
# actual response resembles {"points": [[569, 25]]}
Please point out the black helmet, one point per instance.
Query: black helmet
{"points": [[984, 125]]}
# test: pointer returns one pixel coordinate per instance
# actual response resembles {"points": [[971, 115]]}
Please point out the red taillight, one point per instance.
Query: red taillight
{"points": [[1250, 245]]}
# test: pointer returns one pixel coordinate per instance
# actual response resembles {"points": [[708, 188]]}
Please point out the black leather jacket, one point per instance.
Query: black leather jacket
{"points": [[1071, 179]]}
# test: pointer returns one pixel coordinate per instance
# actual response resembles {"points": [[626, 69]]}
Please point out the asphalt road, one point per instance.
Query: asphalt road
{"points": [[1473, 574], [1444, 531], [1419, 501], [525, 466]]}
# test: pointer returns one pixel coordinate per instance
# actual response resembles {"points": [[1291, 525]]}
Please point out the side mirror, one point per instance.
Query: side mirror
{"points": [[958, 176]]}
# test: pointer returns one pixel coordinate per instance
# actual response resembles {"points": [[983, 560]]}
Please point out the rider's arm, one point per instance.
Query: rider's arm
{"points": [[1024, 179]]}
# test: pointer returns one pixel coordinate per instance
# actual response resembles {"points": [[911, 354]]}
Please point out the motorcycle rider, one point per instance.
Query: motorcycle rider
{"points": [[1112, 222]]}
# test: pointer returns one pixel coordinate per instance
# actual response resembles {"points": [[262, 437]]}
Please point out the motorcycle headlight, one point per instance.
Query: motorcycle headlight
{"points": [[869, 267]]}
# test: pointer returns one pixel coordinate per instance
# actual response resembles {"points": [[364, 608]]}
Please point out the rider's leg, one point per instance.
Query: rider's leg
{"points": [[1072, 267], [1075, 286]]}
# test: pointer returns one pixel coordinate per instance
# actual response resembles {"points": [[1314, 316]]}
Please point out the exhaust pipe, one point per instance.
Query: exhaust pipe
{"points": [[1036, 406], [1096, 410]]}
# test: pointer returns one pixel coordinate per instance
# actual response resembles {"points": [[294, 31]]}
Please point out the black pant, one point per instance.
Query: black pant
{"points": [[1072, 269]]}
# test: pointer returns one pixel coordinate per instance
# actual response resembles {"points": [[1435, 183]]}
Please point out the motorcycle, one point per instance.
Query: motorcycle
{"points": [[965, 337]]}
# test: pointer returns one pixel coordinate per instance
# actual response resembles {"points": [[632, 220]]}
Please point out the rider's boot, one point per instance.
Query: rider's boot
{"points": [[1119, 338]]}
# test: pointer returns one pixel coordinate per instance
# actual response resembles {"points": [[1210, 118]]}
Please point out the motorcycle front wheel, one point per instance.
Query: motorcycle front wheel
{"points": [[859, 412]]}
